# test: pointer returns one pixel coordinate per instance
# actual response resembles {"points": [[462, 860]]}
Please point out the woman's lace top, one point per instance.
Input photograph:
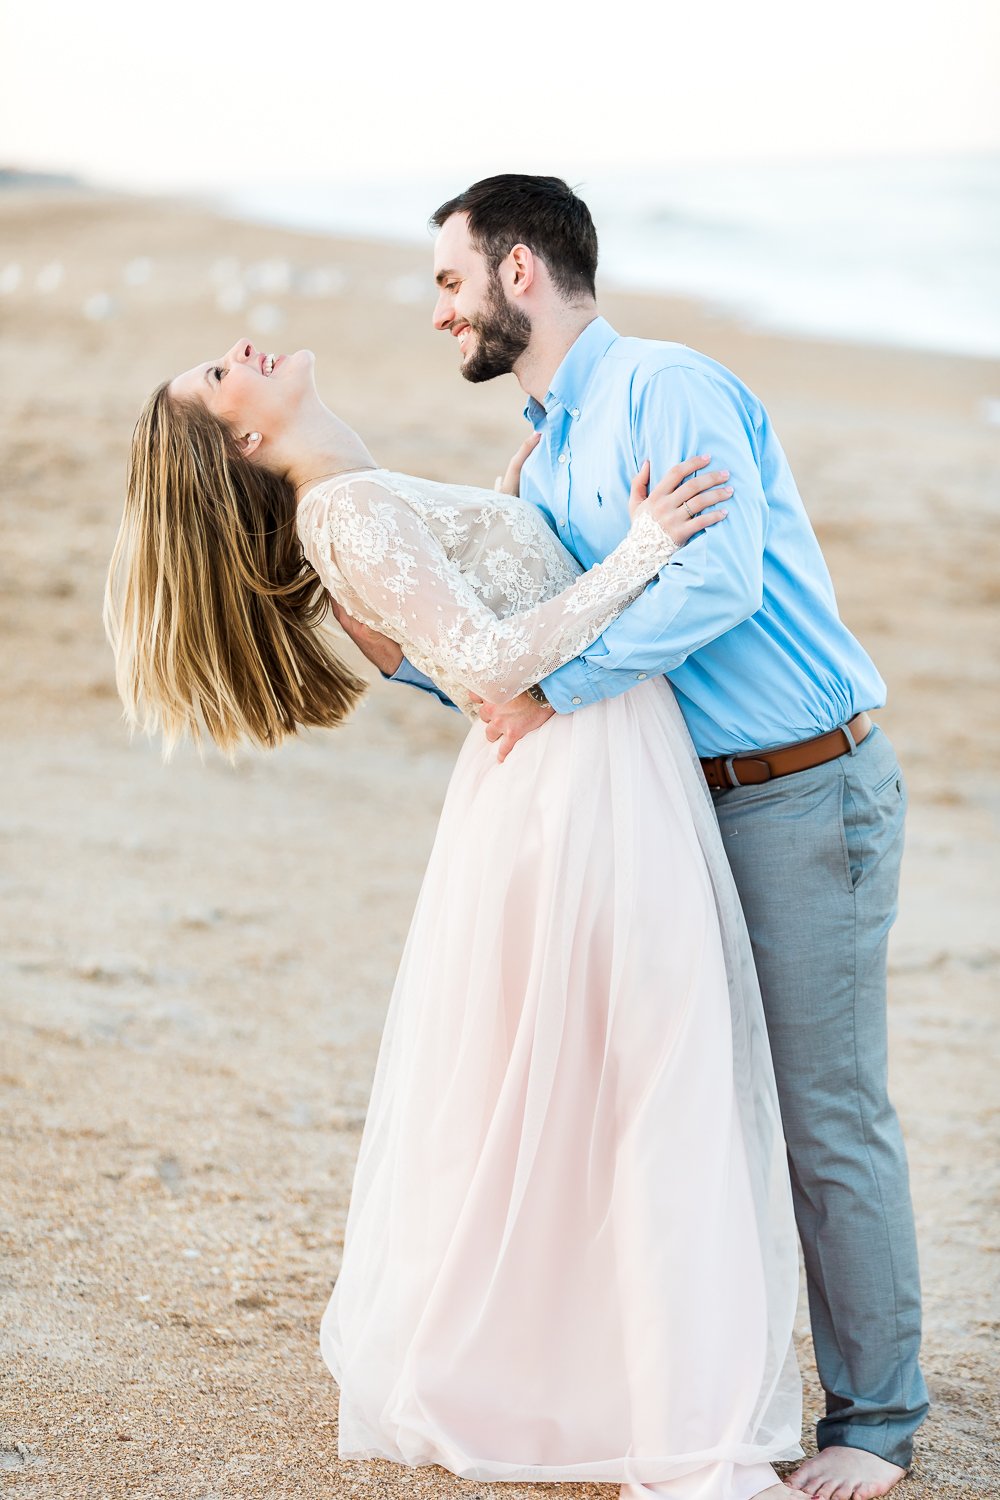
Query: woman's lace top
{"points": [[473, 585]]}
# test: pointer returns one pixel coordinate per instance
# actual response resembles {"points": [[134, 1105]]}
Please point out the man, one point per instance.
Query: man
{"points": [[775, 692]]}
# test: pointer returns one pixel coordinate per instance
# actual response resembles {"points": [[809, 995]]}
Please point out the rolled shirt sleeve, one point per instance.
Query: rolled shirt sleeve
{"points": [[408, 674]]}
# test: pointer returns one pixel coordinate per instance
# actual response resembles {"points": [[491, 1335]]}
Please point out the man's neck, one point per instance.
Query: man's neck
{"points": [[548, 348]]}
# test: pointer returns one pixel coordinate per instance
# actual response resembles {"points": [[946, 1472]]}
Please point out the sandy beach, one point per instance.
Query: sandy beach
{"points": [[196, 959]]}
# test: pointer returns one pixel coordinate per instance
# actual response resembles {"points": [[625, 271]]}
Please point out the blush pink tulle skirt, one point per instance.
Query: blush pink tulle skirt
{"points": [[570, 1252]]}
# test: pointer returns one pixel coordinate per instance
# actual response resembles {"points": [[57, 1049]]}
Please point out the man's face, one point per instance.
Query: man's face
{"points": [[472, 306]]}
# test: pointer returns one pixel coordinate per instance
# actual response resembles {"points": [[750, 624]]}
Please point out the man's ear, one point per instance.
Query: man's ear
{"points": [[522, 270]]}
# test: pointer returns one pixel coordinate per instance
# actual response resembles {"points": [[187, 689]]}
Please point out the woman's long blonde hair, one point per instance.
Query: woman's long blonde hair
{"points": [[210, 607]]}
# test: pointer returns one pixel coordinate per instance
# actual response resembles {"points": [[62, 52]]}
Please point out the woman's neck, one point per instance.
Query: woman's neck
{"points": [[322, 447]]}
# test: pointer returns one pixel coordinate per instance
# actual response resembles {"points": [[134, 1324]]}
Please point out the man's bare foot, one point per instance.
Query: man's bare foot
{"points": [[846, 1474]]}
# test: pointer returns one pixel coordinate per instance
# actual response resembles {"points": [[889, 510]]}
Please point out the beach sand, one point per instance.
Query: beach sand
{"points": [[197, 959]]}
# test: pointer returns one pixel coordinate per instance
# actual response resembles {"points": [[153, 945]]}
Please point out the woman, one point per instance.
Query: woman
{"points": [[570, 1251]]}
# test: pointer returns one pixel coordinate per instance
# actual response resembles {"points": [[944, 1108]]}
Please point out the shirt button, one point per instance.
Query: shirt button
{"points": [[563, 520], [562, 458], [640, 677], [577, 700], [575, 412]]}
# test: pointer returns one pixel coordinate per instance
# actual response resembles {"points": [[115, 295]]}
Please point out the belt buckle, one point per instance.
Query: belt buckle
{"points": [[747, 760]]}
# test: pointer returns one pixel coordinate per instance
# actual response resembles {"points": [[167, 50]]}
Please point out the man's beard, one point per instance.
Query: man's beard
{"points": [[502, 335]]}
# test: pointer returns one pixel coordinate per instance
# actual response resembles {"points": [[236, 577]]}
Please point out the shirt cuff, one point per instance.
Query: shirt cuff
{"points": [[408, 674], [582, 681], [569, 687]]}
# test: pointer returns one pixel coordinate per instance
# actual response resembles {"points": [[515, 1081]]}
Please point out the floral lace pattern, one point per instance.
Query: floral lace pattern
{"points": [[473, 585]]}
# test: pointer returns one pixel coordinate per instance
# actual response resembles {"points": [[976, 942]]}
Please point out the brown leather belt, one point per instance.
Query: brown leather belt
{"points": [[757, 766]]}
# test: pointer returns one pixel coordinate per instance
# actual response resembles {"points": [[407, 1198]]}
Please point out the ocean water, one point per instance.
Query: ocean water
{"points": [[901, 252]]}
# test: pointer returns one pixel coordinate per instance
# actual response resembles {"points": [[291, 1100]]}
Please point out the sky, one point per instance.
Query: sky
{"points": [[196, 95]]}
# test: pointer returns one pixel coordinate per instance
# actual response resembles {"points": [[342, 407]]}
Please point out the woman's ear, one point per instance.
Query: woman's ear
{"points": [[251, 443]]}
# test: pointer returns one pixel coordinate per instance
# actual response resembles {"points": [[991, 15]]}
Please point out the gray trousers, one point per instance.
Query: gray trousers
{"points": [[816, 858]]}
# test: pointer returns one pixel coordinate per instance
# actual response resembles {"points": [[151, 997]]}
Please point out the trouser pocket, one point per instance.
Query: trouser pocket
{"points": [[872, 818]]}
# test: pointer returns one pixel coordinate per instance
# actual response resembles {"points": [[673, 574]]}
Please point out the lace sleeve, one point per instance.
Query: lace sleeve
{"points": [[369, 537]]}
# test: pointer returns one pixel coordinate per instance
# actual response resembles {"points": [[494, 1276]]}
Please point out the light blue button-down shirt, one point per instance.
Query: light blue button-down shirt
{"points": [[743, 620]]}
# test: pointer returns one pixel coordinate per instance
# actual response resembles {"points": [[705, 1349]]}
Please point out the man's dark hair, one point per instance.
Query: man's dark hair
{"points": [[543, 213]]}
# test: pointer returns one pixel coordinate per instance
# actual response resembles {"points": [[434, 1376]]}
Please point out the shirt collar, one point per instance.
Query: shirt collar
{"points": [[570, 382]]}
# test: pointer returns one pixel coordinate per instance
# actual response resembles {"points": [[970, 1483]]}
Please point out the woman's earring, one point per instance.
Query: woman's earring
{"points": [[253, 437]]}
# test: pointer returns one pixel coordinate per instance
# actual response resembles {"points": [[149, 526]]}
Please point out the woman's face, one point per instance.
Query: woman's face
{"points": [[253, 391]]}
